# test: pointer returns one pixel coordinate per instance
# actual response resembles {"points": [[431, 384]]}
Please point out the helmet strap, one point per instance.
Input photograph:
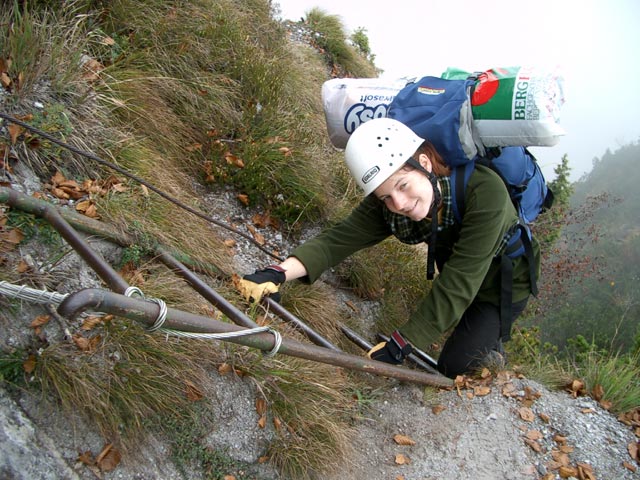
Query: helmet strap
{"points": [[434, 215]]}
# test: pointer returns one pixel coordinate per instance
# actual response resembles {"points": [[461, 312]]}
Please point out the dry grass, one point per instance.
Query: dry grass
{"points": [[126, 378], [178, 88], [312, 408], [317, 306]]}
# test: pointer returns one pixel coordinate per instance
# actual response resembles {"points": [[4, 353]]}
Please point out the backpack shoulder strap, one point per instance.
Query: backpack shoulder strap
{"points": [[459, 180]]}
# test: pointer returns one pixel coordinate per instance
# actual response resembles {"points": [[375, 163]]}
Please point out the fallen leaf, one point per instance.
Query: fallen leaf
{"points": [[29, 364], [585, 471], [277, 423], [486, 373], [402, 459], [60, 193], [58, 178], [86, 458], [534, 435], [14, 132], [560, 439], [83, 205], [606, 404], [526, 414], [633, 448], [544, 417], [234, 160], [14, 236], [629, 467], [261, 406], [566, 449], [256, 235], [576, 388], [403, 440], [196, 147], [560, 457], [90, 323], [587, 410], [40, 321], [5, 80], [244, 199], [193, 393], [481, 390], [567, 472], [436, 409], [85, 344], [597, 392], [262, 422], [535, 446], [109, 458], [224, 369], [23, 267], [352, 306]]}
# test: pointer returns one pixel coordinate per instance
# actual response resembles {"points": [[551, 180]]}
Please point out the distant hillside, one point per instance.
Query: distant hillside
{"points": [[599, 254]]}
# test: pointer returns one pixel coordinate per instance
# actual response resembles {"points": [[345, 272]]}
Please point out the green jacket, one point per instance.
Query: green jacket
{"points": [[465, 253]]}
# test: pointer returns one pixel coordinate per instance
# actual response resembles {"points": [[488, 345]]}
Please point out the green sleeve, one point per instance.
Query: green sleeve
{"points": [[363, 228], [487, 217]]}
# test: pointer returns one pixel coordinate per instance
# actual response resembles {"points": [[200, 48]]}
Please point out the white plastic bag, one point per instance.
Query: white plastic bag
{"points": [[349, 102]]}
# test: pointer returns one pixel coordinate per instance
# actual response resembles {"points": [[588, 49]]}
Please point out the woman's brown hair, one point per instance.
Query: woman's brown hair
{"points": [[440, 168]]}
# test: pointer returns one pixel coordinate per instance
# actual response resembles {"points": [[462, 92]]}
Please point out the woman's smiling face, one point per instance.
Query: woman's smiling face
{"points": [[408, 191]]}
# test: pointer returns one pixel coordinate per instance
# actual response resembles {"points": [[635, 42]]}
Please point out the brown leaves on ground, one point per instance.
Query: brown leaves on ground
{"points": [[83, 193], [106, 461], [632, 419], [576, 388], [634, 451], [192, 391], [86, 345], [8, 82], [10, 238], [261, 410], [403, 440]]}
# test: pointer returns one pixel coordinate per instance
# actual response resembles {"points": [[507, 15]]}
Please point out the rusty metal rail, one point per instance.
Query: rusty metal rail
{"points": [[147, 312], [116, 283]]}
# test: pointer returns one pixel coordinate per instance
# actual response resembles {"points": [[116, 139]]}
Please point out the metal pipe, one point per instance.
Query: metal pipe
{"points": [[146, 312], [284, 314], [51, 215], [203, 289], [116, 283], [355, 338]]}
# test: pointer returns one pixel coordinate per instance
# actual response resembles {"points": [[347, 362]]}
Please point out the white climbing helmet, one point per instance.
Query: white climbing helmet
{"points": [[377, 149]]}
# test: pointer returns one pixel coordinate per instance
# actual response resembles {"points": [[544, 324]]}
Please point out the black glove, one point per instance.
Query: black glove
{"points": [[262, 282], [394, 351]]}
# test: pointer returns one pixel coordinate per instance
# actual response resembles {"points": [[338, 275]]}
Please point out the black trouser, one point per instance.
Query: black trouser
{"points": [[477, 333]]}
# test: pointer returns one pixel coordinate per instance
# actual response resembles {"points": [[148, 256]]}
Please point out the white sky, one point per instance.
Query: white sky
{"points": [[596, 44]]}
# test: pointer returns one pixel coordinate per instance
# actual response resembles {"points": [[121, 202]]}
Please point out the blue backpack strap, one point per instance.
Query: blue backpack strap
{"points": [[459, 179]]}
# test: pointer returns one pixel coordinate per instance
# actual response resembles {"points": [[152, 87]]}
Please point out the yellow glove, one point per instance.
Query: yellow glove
{"points": [[261, 283]]}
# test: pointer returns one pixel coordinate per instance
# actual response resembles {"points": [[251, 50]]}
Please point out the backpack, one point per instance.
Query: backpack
{"points": [[440, 110]]}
